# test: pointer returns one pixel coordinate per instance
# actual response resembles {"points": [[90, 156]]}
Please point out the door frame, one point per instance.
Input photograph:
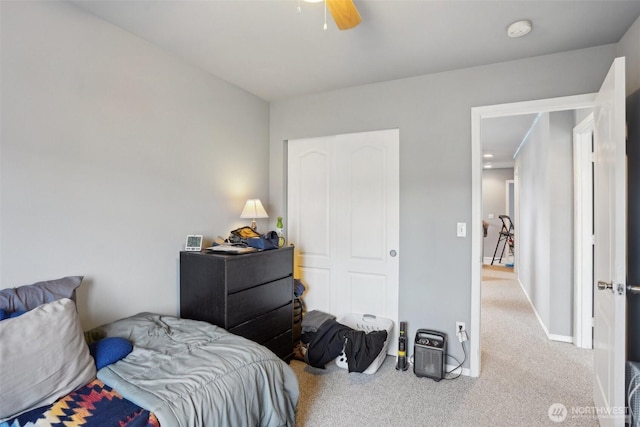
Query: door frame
{"points": [[507, 198], [477, 115], [513, 214], [583, 232]]}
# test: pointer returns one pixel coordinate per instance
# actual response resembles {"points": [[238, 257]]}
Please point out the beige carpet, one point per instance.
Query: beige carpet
{"points": [[523, 375]]}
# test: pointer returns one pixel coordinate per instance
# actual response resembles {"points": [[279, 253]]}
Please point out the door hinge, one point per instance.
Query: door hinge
{"points": [[593, 239]]}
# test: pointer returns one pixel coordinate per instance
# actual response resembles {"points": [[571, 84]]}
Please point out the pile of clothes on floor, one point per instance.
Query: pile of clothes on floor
{"points": [[323, 339]]}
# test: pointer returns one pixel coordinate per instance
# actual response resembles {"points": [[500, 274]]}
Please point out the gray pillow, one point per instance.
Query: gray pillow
{"points": [[28, 297], [43, 357]]}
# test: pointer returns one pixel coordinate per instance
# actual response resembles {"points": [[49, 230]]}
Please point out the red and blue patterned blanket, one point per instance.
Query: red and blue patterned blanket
{"points": [[94, 405]]}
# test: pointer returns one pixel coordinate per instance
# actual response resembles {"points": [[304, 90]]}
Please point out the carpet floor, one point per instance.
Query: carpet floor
{"points": [[525, 380]]}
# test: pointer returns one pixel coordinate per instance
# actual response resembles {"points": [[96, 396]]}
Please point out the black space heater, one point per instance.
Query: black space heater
{"points": [[429, 354]]}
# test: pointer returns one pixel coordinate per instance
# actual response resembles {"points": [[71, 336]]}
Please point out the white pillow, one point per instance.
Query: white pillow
{"points": [[43, 356]]}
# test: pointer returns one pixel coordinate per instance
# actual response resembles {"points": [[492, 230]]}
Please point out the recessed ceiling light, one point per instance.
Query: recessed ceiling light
{"points": [[519, 28], [487, 156], [488, 166]]}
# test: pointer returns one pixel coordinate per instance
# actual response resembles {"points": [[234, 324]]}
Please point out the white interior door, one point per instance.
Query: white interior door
{"points": [[610, 248], [343, 218]]}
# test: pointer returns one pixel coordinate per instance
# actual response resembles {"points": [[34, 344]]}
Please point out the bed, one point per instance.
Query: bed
{"points": [[176, 372]]}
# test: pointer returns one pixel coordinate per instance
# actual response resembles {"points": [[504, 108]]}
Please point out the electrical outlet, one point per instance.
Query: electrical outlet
{"points": [[461, 331]]}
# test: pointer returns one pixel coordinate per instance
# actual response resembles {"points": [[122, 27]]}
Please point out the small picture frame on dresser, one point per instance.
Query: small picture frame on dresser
{"points": [[194, 243]]}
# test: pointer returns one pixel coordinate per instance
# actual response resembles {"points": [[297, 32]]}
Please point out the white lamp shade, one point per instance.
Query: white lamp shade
{"points": [[253, 209]]}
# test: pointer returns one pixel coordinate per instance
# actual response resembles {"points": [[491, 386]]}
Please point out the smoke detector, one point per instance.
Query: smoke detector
{"points": [[519, 28]]}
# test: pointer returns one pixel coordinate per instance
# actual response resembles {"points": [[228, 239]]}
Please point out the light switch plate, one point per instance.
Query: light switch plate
{"points": [[462, 229]]}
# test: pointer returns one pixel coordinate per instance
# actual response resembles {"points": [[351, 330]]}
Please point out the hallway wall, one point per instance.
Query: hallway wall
{"points": [[544, 168]]}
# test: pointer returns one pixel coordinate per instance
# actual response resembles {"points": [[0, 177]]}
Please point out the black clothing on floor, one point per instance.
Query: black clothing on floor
{"points": [[363, 348], [331, 338], [327, 343]]}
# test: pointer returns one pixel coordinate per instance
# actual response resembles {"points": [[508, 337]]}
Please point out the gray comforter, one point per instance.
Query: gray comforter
{"points": [[191, 373]]}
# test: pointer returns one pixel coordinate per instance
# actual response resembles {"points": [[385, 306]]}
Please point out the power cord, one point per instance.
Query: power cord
{"points": [[462, 337], [459, 364]]}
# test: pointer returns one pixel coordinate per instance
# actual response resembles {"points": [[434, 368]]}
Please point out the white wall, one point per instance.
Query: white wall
{"points": [[112, 152], [433, 115], [494, 201], [545, 232]]}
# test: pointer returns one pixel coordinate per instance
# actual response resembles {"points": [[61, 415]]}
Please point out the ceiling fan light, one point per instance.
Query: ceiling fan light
{"points": [[519, 29]]}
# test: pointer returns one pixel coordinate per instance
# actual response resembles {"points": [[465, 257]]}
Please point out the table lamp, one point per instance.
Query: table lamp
{"points": [[253, 209]]}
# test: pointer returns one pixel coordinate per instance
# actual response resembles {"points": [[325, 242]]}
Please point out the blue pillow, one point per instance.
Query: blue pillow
{"points": [[4, 314], [109, 350]]}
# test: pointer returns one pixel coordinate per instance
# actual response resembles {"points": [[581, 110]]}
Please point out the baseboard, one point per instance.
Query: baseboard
{"points": [[560, 338], [552, 337], [533, 307]]}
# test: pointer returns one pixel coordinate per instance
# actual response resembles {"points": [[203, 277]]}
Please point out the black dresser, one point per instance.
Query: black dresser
{"points": [[250, 295]]}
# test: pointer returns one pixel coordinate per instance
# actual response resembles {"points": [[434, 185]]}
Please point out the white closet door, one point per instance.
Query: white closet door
{"points": [[343, 217], [309, 206]]}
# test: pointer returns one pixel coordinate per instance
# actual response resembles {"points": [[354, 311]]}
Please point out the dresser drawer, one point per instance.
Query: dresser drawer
{"points": [[264, 327], [247, 271], [250, 303], [282, 345]]}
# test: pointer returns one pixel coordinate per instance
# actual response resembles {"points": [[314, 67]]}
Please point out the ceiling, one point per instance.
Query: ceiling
{"points": [[501, 138], [270, 49]]}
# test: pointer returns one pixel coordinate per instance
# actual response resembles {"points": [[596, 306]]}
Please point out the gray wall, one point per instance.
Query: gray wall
{"points": [[545, 181], [494, 202], [534, 218], [433, 115], [561, 201], [112, 152], [628, 47]]}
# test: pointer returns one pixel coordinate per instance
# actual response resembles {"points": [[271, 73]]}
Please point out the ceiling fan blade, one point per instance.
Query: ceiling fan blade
{"points": [[344, 12]]}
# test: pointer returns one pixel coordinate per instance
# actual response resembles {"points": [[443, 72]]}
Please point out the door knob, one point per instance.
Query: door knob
{"points": [[604, 285], [634, 289]]}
